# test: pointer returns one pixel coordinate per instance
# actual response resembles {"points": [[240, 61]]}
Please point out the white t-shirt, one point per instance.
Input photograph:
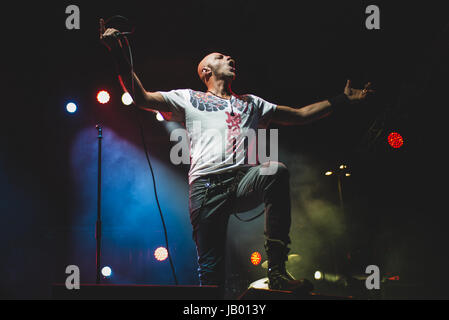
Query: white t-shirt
{"points": [[219, 142]]}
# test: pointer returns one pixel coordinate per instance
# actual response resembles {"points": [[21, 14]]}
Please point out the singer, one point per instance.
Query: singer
{"points": [[220, 180]]}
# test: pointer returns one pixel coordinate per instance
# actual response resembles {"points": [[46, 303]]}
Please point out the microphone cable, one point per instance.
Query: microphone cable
{"points": [[131, 63]]}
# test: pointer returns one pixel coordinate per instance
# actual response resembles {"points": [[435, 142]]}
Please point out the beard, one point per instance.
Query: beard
{"points": [[224, 74]]}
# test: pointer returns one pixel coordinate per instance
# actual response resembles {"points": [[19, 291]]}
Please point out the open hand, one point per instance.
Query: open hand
{"points": [[356, 95]]}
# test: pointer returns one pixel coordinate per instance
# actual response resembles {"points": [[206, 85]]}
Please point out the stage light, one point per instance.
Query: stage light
{"points": [[334, 278], [259, 284], [395, 140], [71, 107], [348, 174], [256, 258], [329, 173], [103, 97], [159, 116], [161, 254], [106, 272], [127, 99]]}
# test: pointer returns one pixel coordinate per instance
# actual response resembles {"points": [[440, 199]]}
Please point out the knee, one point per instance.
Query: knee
{"points": [[275, 169], [282, 170]]}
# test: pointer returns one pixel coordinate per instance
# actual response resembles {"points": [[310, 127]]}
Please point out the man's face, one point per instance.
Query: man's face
{"points": [[222, 66]]}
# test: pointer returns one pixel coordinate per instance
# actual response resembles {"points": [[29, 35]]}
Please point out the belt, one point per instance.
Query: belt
{"points": [[217, 180], [221, 179], [226, 182]]}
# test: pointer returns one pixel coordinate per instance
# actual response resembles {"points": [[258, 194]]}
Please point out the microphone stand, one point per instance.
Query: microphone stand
{"points": [[98, 223]]}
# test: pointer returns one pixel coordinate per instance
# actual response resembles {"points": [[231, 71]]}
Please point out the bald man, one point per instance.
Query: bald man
{"points": [[221, 179]]}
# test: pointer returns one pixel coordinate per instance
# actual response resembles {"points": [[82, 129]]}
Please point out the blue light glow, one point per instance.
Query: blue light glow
{"points": [[106, 271], [71, 107], [131, 223]]}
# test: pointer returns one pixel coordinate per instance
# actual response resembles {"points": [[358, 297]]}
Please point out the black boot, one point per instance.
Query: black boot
{"points": [[278, 276]]}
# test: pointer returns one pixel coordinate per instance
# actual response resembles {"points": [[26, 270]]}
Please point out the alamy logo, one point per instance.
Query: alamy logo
{"points": [[73, 20], [373, 280], [73, 280], [235, 145], [373, 20]]}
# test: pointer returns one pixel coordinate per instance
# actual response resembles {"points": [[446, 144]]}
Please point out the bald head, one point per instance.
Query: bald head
{"points": [[204, 66], [216, 65]]}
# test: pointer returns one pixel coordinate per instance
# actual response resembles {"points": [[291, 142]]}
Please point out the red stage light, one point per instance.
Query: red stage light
{"points": [[395, 140], [161, 254], [103, 97], [256, 258]]}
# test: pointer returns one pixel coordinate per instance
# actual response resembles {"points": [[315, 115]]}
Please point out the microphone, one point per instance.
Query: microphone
{"points": [[116, 34], [119, 34]]}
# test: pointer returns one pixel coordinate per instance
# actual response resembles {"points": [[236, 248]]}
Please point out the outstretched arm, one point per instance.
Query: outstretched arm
{"points": [[142, 98], [297, 116]]}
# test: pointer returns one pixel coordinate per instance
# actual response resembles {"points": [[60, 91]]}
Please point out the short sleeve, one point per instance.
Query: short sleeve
{"points": [[177, 101], [266, 110]]}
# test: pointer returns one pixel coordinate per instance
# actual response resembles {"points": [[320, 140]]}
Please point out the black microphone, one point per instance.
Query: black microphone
{"points": [[120, 35]]}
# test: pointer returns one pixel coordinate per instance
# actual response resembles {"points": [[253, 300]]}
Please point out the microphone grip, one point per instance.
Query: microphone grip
{"points": [[119, 34]]}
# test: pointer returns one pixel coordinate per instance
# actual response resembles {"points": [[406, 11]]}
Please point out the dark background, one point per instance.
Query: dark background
{"points": [[291, 53]]}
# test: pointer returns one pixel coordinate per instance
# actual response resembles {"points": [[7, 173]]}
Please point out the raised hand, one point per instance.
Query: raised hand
{"points": [[356, 95], [109, 36]]}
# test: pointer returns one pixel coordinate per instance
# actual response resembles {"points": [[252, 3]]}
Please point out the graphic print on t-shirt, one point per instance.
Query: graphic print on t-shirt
{"points": [[236, 142], [234, 130], [208, 102], [218, 142]]}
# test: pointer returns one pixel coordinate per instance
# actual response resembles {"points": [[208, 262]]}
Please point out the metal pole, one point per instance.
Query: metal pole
{"points": [[98, 224], [340, 191]]}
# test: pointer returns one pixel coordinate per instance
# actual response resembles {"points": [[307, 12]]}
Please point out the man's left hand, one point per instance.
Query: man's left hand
{"points": [[357, 95]]}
